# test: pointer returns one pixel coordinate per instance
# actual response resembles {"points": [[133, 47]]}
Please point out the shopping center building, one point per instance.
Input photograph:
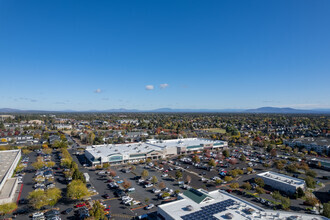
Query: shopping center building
{"points": [[8, 185], [153, 149]]}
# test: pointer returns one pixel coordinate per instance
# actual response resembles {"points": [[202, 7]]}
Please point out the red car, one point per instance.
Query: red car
{"points": [[109, 181], [229, 190], [80, 205], [107, 210]]}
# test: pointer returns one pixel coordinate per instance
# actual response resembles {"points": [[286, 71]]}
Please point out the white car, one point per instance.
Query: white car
{"points": [[148, 185], [128, 201], [125, 198], [165, 175], [156, 190], [37, 214], [134, 202], [150, 206]]}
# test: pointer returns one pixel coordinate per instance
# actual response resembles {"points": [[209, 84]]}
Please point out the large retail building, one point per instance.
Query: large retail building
{"points": [[8, 185], [153, 149]]}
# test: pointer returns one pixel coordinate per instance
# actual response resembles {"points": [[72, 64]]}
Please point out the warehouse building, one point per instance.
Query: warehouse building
{"points": [[153, 149], [199, 204], [282, 182], [8, 185]]}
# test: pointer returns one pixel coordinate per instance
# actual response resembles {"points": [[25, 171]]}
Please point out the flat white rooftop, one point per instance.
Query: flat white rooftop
{"points": [[7, 158], [184, 142], [145, 147], [220, 205], [111, 149], [282, 178]]}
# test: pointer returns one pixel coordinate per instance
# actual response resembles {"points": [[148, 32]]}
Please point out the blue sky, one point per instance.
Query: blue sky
{"points": [[82, 55]]}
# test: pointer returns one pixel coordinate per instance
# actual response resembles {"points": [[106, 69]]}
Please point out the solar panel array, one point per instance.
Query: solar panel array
{"points": [[207, 212]]}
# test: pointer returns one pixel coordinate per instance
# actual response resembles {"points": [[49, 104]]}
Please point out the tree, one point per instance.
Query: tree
{"points": [[300, 192], [276, 195], [148, 160], [311, 173], [154, 180], [161, 185], [91, 137], [38, 164], [112, 173], [188, 179], [53, 195], [279, 165], [218, 181], [47, 150], [196, 159], [225, 153], [145, 174], [259, 181], [126, 184], [249, 169], [310, 182], [77, 190], [37, 198], [285, 202], [97, 211], [326, 209], [233, 161], [178, 174], [146, 200], [247, 186], [73, 165], [165, 194], [260, 190], [234, 185], [273, 152], [7, 208], [50, 164], [242, 158], [212, 163], [228, 178]]}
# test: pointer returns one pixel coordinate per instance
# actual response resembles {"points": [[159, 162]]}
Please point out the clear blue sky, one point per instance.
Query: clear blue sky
{"points": [[82, 55]]}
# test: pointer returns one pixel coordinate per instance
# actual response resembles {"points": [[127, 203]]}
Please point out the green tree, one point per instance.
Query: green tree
{"points": [[326, 209], [300, 192], [218, 181], [249, 169], [212, 163], [243, 158], [228, 178], [97, 211], [259, 181], [260, 190], [37, 199], [154, 180], [145, 174], [77, 190], [178, 174], [311, 173], [225, 153], [285, 202], [53, 195], [276, 195], [196, 159], [247, 186], [310, 182], [234, 185], [38, 164], [7, 208]]}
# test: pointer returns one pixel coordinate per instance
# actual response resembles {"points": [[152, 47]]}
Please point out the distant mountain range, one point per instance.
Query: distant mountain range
{"points": [[170, 110]]}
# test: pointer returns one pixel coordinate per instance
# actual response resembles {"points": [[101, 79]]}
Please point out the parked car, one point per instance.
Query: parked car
{"points": [[150, 206]]}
